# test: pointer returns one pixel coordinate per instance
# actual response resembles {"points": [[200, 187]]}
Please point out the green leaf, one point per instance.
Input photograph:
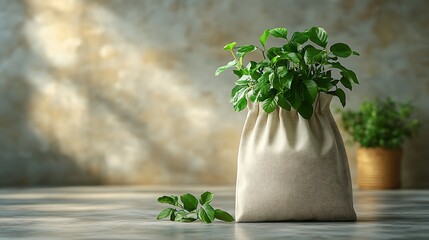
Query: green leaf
{"points": [[165, 213], [243, 50], [275, 59], [193, 215], [341, 50], [262, 88], [277, 83], [293, 57], [230, 46], [238, 72], [254, 74], [190, 202], [236, 89], [263, 63], [241, 93], [271, 78], [223, 68], [172, 200], [206, 213], [305, 110], [179, 215], [206, 197], [240, 104], [251, 66], [290, 47], [294, 98], [243, 81], [324, 84], [311, 90], [182, 216], [349, 73], [239, 100], [252, 95], [279, 32], [190, 217], [299, 37], [356, 53], [274, 51], [173, 215], [352, 75], [269, 104], [334, 82], [313, 55], [341, 95], [282, 71], [287, 80], [282, 102], [346, 82], [318, 36], [338, 65], [224, 216], [264, 36]]}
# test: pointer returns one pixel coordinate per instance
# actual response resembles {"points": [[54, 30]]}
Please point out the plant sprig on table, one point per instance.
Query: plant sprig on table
{"points": [[189, 210], [290, 76]]}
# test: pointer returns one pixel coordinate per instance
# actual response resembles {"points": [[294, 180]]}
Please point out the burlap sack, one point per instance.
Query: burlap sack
{"points": [[293, 169]]}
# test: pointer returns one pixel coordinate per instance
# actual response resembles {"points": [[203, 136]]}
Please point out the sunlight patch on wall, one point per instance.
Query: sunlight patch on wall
{"points": [[119, 108], [54, 30]]}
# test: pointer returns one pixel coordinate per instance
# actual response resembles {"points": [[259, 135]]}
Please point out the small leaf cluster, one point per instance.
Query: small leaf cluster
{"points": [[292, 75], [189, 211], [380, 123]]}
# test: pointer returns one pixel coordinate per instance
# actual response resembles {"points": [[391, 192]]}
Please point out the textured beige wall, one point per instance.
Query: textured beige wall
{"points": [[123, 92]]}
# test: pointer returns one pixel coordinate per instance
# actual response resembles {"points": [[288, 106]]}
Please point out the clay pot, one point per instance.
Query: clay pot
{"points": [[379, 168]]}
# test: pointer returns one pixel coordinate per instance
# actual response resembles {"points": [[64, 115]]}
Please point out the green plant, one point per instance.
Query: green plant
{"points": [[380, 123], [189, 210], [292, 75]]}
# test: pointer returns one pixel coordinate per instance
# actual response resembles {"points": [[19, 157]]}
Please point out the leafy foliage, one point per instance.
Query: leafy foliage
{"points": [[189, 210], [292, 75], [380, 123]]}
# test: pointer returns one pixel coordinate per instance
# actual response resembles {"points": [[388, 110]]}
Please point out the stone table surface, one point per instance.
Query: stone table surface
{"points": [[128, 212]]}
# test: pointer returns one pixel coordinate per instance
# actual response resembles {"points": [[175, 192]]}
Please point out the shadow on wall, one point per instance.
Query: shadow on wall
{"points": [[27, 157]]}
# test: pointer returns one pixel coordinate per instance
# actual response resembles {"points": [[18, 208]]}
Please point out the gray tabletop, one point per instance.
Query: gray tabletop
{"points": [[128, 212]]}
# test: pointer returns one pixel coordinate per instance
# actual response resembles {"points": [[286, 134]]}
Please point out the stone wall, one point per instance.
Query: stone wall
{"points": [[123, 92]]}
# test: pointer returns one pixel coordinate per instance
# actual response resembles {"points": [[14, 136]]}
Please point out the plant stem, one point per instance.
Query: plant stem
{"points": [[235, 58], [263, 51]]}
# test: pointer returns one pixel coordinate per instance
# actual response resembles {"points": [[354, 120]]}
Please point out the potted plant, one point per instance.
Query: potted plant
{"points": [[292, 165], [380, 127]]}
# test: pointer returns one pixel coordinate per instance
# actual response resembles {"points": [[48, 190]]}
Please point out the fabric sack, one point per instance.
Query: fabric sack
{"points": [[293, 169]]}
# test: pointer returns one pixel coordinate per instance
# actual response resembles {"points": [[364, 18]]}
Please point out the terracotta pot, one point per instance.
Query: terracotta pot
{"points": [[379, 168]]}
